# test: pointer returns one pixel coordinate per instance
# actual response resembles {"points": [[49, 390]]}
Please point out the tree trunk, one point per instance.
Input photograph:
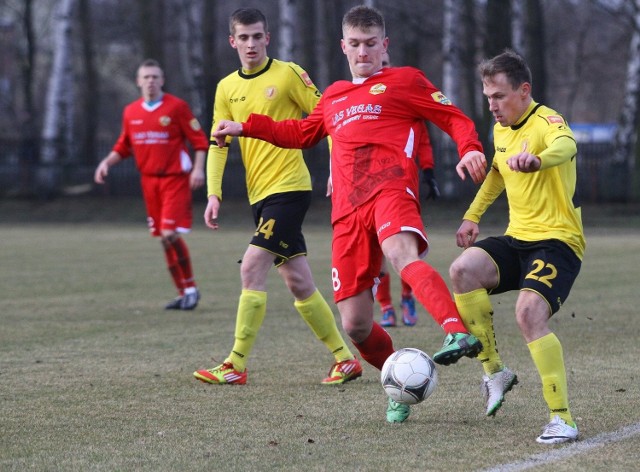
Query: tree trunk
{"points": [[627, 132], [518, 26], [498, 37], [58, 102], [211, 71], [451, 51], [90, 96], [286, 30], [187, 15], [151, 21], [534, 49]]}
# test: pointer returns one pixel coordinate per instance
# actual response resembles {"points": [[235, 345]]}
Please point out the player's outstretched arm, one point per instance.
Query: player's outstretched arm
{"points": [[475, 164], [226, 128]]}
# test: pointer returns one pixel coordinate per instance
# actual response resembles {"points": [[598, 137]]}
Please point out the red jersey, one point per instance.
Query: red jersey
{"points": [[375, 127], [156, 135]]}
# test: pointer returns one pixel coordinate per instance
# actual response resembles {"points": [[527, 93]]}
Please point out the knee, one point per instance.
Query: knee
{"points": [[459, 272], [356, 332], [169, 237]]}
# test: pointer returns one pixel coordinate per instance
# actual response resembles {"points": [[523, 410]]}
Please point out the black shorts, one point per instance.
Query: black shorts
{"points": [[547, 267], [278, 220]]}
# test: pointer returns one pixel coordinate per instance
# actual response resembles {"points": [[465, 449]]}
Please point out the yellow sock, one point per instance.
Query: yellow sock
{"points": [[477, 314], [251, 310], [546, 353], [315, 311]]}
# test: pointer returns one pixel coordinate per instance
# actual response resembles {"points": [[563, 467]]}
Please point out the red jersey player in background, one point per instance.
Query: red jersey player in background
{"points": [[372, 121], [155, 129]]}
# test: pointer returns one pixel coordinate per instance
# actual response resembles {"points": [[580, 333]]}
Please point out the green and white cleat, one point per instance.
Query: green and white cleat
{"points": [[397, 412], [455, 346]]}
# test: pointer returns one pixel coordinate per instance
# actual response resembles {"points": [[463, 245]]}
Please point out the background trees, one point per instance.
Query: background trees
{"points": [[67, 66]]}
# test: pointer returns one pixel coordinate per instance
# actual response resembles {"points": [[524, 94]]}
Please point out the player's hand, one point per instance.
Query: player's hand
{"points": [[525, 161], [226, 128], [467, 234], [475, 164], [101, 172], [211, 212], [196, 178], [329, 187], [429, 179]]}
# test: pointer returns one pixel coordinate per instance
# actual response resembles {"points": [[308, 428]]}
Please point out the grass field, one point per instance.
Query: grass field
{"points": [[95, 375]]}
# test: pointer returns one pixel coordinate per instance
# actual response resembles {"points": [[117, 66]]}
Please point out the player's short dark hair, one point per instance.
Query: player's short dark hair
{"points": [[247, 16], [150, 63], [511, 64], [364, 18]]}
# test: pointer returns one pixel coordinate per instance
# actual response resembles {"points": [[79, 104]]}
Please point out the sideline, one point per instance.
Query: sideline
{"points": [[568, 451]]}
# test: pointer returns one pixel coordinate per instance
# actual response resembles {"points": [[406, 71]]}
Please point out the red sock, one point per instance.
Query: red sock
{"points": [[431, 290], [184, 260], [174, 267], [383, 294], [377, 347], [406, 289]]}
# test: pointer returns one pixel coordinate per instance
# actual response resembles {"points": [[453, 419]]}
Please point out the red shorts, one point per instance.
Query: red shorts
{"points": [[168, 202], [356, 252]]}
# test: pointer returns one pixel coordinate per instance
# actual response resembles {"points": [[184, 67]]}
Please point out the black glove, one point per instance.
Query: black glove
{"points": [[429, 179]]}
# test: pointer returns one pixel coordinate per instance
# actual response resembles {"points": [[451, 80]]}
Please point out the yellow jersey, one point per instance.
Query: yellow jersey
{"points": [[281, 90], [542, 204]]}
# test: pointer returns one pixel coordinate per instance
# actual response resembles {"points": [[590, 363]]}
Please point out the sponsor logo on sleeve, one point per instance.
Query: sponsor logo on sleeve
{"points": [[555, 119], [307, 80], [440, 98], [195, 125]]}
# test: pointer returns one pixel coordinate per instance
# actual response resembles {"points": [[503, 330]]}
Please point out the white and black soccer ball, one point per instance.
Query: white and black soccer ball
{"points": [[409, 376]]}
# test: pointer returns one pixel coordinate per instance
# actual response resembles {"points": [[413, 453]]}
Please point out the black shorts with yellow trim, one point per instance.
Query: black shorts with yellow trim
{"points": [[278, 220], [548, 267]]}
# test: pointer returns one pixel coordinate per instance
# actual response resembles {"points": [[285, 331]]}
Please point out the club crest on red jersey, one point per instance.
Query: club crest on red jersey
{"points": [[440, 98], [165, 120], [377, 89]]}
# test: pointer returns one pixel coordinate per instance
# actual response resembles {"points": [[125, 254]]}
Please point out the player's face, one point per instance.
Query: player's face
{"points": [[506, 104], [364, 50], [150, 81], [251, 41]]}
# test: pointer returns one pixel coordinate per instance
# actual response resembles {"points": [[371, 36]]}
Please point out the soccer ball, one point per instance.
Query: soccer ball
{"points": [[409, 376]]}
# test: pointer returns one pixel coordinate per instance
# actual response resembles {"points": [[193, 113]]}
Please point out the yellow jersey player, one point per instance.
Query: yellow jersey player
{"points": [[279, 191], [540, 253]]}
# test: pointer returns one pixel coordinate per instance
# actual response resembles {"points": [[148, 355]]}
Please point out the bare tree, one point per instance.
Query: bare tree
{"points": [[59, 100], [152, 28], [627, 132], [186, 14], [518, 22], [534, 35], [89, 95], [451, 50], [286, 30]]}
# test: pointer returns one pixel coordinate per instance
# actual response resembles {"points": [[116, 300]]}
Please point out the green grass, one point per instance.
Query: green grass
{"points": [[95, 375]]}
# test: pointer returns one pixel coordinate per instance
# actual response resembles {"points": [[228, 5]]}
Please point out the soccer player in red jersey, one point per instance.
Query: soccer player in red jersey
{"points": [[372, 121], [155, 129]]}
